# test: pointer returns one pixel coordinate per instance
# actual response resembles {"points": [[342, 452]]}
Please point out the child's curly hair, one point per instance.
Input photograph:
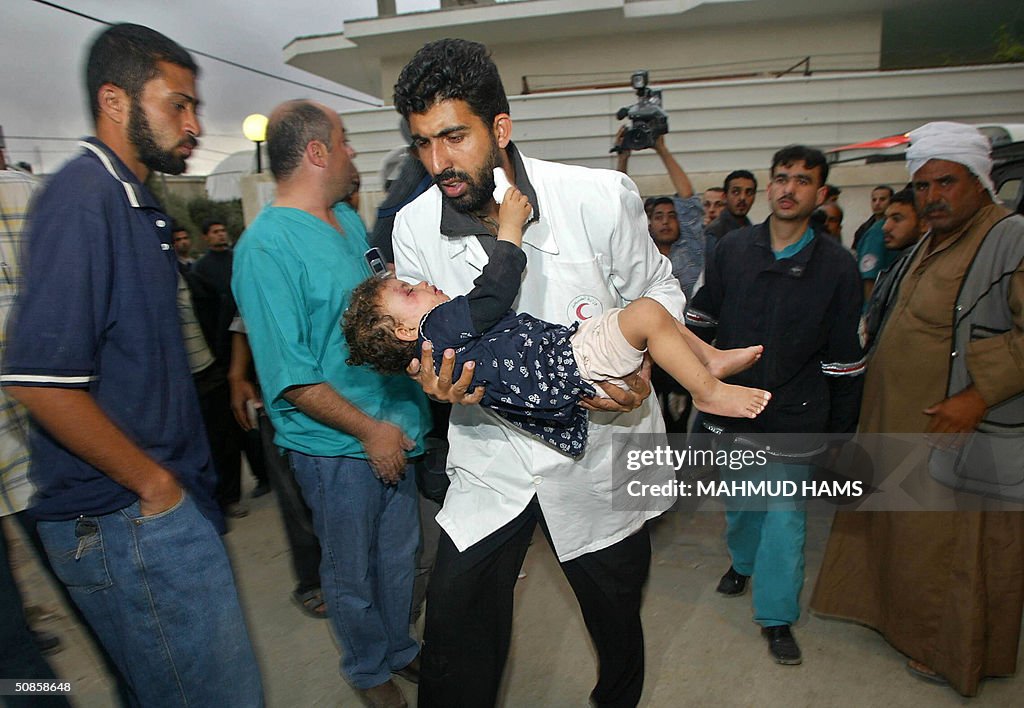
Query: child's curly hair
{"points": [[371, 333]]}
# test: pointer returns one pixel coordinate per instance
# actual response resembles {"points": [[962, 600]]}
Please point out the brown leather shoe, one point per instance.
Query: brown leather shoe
{"points": [[411, 672], [386, 695]]}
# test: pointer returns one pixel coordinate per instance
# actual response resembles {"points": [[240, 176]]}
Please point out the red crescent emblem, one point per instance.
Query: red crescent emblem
{"points": [[579, 311]]}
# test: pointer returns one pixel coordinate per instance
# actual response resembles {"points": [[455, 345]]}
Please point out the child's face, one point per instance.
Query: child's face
{"points": [[407, 304]]}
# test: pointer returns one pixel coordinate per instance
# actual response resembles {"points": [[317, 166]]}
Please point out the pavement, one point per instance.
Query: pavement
{"points": [[702, 649]]}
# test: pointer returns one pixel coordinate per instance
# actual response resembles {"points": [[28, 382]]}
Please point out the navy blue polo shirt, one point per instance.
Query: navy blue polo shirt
{"points": [[97, 312]]}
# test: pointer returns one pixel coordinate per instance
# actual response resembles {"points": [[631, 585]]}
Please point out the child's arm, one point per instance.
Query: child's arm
{"points": [[512, 216], [497, 286]]}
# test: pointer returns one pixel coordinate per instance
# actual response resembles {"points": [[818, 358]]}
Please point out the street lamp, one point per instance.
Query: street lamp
{"points": [[254, 128]]}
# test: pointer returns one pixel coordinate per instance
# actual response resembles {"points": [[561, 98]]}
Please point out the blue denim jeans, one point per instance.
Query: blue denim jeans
{"points": [[159, 593], [369, 533]]}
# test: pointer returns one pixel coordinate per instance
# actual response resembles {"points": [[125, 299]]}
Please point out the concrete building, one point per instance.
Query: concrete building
{"points": [[739, 78]]}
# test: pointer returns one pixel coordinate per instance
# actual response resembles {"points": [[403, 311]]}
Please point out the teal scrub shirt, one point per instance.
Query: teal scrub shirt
{"points": [[293, 276]]}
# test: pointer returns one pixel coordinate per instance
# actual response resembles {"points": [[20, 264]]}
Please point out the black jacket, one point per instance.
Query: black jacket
{"points": [[718, 228], [214, 304], [805, 311]]}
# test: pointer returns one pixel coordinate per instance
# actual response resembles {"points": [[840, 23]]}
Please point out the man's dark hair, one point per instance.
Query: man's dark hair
{"points": [[818, 219], [450, 69], [176, 226], [832, 191], [126, 56], [210, 223], [739, 174], [887, 188], [656, 201], [812, 158], [904, 196], [371, 332], [292, 127]]}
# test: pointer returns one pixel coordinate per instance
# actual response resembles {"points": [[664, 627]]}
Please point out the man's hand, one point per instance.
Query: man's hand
{"points": [[160, 495], [622, 401], [958, 416], [619, 137], [385, 446], [622, 161], [243, 390], [439, 385]]}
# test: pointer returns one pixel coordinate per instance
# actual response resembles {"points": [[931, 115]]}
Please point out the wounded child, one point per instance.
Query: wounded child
{"points": [[534, 373]]}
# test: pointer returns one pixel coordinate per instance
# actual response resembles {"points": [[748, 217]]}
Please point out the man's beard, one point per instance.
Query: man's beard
{"points": [[479, 187], [150, 153]]}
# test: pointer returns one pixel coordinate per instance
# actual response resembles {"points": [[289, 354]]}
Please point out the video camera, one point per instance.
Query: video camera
{"points": [[650, 121]]}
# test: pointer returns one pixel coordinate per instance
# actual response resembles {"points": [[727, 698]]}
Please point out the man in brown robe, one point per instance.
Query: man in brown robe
{"points": [[945, 588]]}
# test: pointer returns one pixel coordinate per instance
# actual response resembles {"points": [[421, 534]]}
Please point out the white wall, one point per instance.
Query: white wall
{"points": [[718, 126], [838, 42]]}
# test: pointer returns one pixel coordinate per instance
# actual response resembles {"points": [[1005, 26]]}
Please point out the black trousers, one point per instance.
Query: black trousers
{"points": [[664, 385], [469, 615], [296, 516], [227, 439]]}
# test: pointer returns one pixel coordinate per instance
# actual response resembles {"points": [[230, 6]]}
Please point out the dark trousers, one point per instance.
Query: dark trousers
{"points": [[295, 514], [227, 439], [19, 656], [469, 615], [433, 484], [664, 385]]}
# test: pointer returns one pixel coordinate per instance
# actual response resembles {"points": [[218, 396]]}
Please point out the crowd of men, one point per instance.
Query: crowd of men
{"points": [[133, 363]]}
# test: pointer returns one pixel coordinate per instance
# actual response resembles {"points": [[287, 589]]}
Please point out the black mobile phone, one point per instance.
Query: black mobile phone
{"points": [[376, 262]]}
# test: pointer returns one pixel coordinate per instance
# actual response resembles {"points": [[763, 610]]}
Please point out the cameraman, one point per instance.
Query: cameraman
{"points": [[677, 226], [680, 229]]}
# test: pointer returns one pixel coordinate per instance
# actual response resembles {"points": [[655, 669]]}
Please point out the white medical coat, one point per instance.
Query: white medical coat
{"points": [[588, 252]]}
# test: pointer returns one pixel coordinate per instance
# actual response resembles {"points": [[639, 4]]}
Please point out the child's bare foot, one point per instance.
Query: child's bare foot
{"points": [[726, 362], [733, 401]]}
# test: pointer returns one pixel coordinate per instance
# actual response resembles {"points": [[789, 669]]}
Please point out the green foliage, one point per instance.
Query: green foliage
{"points": [[228, 213], [1010, 42], [191, 213]]}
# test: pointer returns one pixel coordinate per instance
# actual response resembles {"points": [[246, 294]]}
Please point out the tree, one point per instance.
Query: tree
{"points": [[228, 213], [1010, 43]]}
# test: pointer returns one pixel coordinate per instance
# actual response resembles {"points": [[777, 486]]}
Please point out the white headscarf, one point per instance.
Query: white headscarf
{"points": [[955, 142]]}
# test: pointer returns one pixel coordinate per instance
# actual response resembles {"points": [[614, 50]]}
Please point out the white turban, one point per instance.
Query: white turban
{"points": [[955, 142]]}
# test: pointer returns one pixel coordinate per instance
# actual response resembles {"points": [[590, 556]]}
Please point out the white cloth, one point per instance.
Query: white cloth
{"points": [[955, 142], [589, 252], [603, 353]]}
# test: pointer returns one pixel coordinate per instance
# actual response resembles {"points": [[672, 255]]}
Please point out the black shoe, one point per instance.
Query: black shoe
{"points": [[732, 583], [260, 489], [782, 645]]}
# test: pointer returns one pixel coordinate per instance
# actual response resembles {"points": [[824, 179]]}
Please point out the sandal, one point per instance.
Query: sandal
{"points": [[919, 670], [311, 602]]}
